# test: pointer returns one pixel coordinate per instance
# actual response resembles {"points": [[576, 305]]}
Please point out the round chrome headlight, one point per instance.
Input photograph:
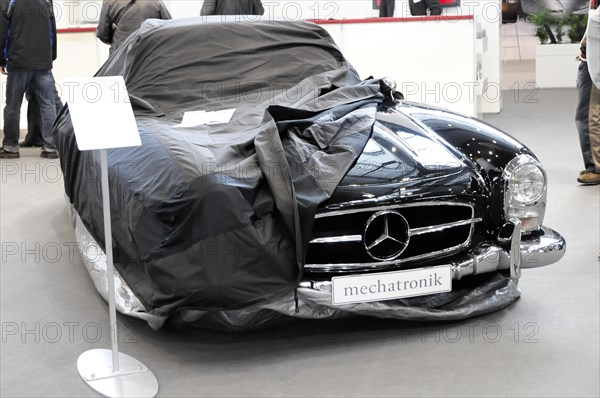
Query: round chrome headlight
{"points": [[528, 183], [525, 192]]}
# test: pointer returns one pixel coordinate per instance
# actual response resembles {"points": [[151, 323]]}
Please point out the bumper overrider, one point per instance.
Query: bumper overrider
{"points": [[511, 251]]}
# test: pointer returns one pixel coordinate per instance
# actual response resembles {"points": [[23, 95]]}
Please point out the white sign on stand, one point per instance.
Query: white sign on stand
{"points": [[103, 119], [101, 113]]}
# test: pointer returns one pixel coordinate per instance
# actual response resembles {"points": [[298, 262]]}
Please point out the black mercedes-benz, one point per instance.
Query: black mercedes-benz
{"points": [[321, 194], [432, 188]]}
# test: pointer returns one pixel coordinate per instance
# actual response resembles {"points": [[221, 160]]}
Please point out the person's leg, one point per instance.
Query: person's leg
{"points": [[42, 86], [391, 7], [34, 124], [16, 85], [417, 8], [386, 8], [594, 126], [434, 7], [57, 101], [582, 108], [34, 120]]}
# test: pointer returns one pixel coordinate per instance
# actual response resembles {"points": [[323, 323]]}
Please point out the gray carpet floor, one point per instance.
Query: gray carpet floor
{"points": [[546, 344]]}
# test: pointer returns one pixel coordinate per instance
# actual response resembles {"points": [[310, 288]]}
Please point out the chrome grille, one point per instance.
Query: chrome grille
{"points": [[434, 229]]}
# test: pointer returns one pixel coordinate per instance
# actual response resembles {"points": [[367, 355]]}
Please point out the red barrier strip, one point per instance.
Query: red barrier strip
{"points": [[392, 19], [76, 30]]}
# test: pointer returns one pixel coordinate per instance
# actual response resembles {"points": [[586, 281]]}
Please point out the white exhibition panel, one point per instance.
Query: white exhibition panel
{"points": [[489, 14], [438, 69]]}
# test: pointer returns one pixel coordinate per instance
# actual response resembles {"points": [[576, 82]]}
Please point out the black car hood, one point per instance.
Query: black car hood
{"points": [[421, 151], [403, 160]]}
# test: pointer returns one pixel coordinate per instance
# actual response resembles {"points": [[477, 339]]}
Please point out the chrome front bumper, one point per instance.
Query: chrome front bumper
{"points": [[538, 251], [529, 252]]}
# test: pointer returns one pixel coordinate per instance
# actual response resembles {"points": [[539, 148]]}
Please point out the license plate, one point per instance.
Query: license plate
{"points": [[391, 285]]}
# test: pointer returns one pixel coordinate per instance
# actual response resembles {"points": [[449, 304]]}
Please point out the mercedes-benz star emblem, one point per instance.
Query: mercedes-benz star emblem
{"points": [[386, 235]]}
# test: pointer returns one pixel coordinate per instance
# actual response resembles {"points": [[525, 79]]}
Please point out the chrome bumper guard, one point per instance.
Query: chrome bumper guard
{"points": [[531, 252]]}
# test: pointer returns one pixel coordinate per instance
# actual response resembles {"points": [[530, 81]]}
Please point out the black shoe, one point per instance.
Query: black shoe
{"points": [[27, 144], [49, 154], [4, 154]]}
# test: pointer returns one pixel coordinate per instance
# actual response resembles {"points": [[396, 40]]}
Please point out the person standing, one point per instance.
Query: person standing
{"points": [[593, 55], [386, 8], [27, 48], [591, 174], [120, 18], [420, 7], [593, 39]]}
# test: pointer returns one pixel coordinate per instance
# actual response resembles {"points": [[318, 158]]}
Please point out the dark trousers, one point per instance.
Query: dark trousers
{"points": [[582, 110], [386, 8], [41, 84], [594, 125], [34, 118], [420, 7]]}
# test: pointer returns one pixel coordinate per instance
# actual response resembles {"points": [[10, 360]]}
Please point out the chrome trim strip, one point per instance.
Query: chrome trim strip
{"points": [[341, 267], [393, 207], [338, 239], [515, 250], [441, 227], [413, 232]]}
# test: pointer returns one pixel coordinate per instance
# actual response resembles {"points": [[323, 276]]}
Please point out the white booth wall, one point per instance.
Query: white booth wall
{"points": [[81, 54], [76, 12], [488, 12], [449, 76], [404, 46]]}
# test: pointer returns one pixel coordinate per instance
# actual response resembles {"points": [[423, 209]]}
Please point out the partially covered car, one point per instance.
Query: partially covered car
{"points": [[324, 195]]}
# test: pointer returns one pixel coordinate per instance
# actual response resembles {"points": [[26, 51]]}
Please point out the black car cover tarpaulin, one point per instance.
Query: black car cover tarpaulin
{"points": [[218, 217]]}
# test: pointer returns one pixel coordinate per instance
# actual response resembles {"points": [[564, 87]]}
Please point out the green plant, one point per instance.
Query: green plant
{"points": [[559, 31], [543, 20], [577, 26], [542, 34]]}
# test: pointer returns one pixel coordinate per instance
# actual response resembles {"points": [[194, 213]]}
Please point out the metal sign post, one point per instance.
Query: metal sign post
{"points": [[108, 372]]}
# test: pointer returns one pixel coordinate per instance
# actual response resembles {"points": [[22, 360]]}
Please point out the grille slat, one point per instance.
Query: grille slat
{"points": [[435, 228]]}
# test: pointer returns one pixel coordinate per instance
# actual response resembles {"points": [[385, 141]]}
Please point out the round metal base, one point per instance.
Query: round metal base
{"points": [[133, 379]]}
